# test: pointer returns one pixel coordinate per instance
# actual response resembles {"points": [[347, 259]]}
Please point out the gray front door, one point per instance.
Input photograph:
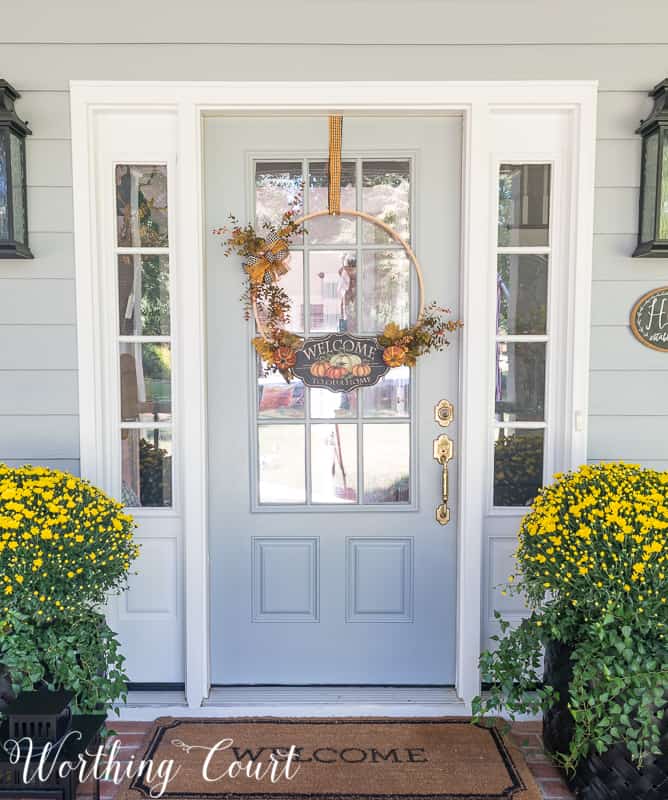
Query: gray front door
{"points": [[327, 563]]}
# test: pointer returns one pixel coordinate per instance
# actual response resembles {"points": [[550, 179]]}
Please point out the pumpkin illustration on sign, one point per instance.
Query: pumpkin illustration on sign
{"points": [[361, 370], [340, 366], [339, 362]]}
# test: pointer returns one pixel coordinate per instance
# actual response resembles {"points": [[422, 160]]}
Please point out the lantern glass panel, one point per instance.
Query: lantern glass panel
{"points": [[649, 170], [4, 186], [16, 146], [663, 210]]}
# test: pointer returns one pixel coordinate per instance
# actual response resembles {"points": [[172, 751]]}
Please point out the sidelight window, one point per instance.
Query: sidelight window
{"points": [[522, 332], [144, 334]]}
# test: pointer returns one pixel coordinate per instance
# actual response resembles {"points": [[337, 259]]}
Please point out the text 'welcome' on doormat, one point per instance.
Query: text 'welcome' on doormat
{"points": [[330, 759]]}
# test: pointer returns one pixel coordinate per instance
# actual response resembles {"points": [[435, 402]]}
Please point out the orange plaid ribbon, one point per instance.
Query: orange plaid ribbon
{"points": [[270, 261], [335, 144]]}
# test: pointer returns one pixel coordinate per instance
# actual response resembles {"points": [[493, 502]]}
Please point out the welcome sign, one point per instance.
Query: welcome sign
{"points": [[340, 362], [649, 319]]}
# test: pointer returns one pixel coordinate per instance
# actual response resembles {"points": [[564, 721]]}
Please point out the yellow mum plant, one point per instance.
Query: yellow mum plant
{"points": [[592, 563], [64, 545]]}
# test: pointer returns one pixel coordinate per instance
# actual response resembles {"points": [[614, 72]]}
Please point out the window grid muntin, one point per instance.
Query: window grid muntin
{"points": [[119, 250], [548, 251], [360, 419]]}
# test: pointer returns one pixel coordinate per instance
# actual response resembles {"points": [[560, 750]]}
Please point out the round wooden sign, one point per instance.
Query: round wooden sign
{"points": [[649, 319]]}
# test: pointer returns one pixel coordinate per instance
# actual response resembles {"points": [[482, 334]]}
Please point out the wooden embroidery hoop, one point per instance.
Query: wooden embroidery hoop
{"points": [[347, 212]]}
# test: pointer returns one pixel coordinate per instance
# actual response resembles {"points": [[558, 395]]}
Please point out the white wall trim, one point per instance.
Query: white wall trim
{"points": [[476, 101]]}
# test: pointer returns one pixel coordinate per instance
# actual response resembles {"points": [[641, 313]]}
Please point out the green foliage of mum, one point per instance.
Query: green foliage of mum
{"points": [[592, 561], [64, 546]]}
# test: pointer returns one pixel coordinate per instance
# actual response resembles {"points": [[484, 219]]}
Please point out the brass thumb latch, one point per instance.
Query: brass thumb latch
{"points": [[443, 452]]}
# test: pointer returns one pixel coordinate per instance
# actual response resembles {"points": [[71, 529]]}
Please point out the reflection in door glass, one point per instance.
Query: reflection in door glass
{"points": [[521, 294], [518, 465], [278, 187], [146, 457], [390, 397], [520, 381], [524, 205], [386, 463], [331, 230], [277, 399], [386, 194], [385, 290], [333, 282], [143, 295], [141, 205], [281, 455], [333, 463], [293, 284], [146, 381], [332, 405]]}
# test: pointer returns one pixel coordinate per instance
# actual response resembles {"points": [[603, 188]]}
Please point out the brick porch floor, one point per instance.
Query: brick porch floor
{"points": [[525, 734]]}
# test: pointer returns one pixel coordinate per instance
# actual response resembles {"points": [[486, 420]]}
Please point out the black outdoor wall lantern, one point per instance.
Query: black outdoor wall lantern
{"points": [[653, 228], [13, 194]]}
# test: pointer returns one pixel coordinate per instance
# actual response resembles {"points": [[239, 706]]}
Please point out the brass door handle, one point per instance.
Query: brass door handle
{"points": [[443, 452]]}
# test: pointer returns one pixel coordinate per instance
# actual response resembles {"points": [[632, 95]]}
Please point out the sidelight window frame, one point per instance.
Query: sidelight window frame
{"points": [[551, 352], [169, 251]]}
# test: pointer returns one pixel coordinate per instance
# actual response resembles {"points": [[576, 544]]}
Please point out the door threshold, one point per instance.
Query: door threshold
{"points": [[298, 701], [331, 695]]}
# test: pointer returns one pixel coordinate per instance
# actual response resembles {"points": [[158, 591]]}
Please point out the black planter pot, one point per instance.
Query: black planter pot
{"points": [[612, 775], [6, 693]]}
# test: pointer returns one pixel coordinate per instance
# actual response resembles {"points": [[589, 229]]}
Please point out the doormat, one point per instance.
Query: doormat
{"points": [[329, 759]]}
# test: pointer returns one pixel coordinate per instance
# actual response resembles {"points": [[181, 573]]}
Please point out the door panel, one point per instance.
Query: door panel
{"points": [[322, 505]]}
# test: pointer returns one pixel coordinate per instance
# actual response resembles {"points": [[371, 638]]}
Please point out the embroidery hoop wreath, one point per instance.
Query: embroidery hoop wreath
{"points": [[269, 304]]}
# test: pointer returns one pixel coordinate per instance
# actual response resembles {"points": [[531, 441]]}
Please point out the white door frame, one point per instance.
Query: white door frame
{"points": [[480, 104]]}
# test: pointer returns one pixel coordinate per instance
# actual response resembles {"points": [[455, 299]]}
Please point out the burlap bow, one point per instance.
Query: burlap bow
{"points": [[271, 260]]}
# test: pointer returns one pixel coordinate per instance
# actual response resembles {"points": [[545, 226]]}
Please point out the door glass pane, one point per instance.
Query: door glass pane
{"points": [[331, 230], [18, 188], [649, 168], [524, 205], [390, 397], [521, 292], [276, 398], [143, 295], [520, 381], [146, 387], [385, 290], [141, 205], [333, 282], [281, 460], [518, 466], [293, 284], [278, 186], [386, 190], [386, 463], [146, 467], [332, 405], [333, 463]]}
